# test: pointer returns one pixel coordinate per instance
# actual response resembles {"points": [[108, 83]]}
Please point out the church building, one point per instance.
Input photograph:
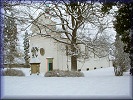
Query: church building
{"points": [[51, 54]]}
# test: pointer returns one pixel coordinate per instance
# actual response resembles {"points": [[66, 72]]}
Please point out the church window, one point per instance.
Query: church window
{"points": [[42, 51]]}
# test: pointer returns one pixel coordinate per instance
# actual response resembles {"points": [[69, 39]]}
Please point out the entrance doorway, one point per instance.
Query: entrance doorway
{"points": [[50, 64]]}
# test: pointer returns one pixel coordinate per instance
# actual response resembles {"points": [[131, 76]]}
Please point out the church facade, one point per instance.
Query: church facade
{"points": [[52, 54]]}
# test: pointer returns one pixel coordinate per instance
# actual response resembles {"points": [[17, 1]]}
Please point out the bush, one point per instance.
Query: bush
{"points": [[118, 71], [13, 72], [95, 68], [79, 70], [61, 73], [87, 69]]}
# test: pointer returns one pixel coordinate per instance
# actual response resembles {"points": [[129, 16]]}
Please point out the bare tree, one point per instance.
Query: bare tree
{"points": [[75, 20]]}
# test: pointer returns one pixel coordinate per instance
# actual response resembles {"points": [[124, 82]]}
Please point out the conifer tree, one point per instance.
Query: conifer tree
{"points": [[26, 48], [10, 40], [121, 62]]}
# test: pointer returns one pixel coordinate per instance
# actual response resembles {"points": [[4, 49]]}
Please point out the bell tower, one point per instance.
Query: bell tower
{"points": [[47, 9]]}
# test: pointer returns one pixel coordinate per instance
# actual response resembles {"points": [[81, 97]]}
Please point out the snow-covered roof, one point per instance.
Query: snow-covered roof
{"points": [[35, 60]]}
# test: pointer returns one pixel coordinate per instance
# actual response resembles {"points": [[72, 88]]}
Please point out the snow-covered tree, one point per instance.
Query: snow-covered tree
{"points": [[26, 49], [10, 40], [122, 61], [75, 20], [123, 24]]}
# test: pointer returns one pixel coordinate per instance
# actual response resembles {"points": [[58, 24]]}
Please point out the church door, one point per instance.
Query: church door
{"points": [[50, 64]]}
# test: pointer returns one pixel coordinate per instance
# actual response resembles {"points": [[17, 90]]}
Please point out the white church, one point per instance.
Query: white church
{"points": [[51, 54]]}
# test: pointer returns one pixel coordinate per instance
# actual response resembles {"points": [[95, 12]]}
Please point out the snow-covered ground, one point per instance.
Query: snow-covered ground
{"points": [[98, 84]]}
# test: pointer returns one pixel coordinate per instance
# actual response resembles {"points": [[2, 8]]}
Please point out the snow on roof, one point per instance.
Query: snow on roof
{"points": [[35, 60]]}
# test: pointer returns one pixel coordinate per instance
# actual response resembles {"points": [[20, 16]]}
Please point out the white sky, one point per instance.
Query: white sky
{"points": [[34, 12]]}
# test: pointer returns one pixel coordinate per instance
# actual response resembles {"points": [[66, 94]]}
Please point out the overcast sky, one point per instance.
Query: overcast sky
{"points": [[34, 13]]}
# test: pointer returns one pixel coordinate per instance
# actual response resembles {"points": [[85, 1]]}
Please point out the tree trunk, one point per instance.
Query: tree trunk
{"points": [[74, 38], [73, 63], [73, 59], [73, 49]]}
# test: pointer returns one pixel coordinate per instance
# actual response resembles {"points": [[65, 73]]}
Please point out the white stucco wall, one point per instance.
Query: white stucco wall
{"points": [[92, 63], [55, 50], [52, 50]]}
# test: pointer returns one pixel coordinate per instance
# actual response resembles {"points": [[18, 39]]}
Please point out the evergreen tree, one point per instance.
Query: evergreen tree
{"points": [[123, 24], [10, 40], [124, 20], [26, 49], [121, 62]]}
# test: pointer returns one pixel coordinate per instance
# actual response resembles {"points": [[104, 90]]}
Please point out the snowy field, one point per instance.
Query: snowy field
{"points": [[97, 84]]}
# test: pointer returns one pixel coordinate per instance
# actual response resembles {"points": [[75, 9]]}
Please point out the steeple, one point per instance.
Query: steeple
{"points": [[47, 9]]}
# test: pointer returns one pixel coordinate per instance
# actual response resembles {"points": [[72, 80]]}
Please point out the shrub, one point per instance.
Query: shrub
{"points": [[79, 70], [13, 72], [118, 71], [87, 69], [61, 73]]}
